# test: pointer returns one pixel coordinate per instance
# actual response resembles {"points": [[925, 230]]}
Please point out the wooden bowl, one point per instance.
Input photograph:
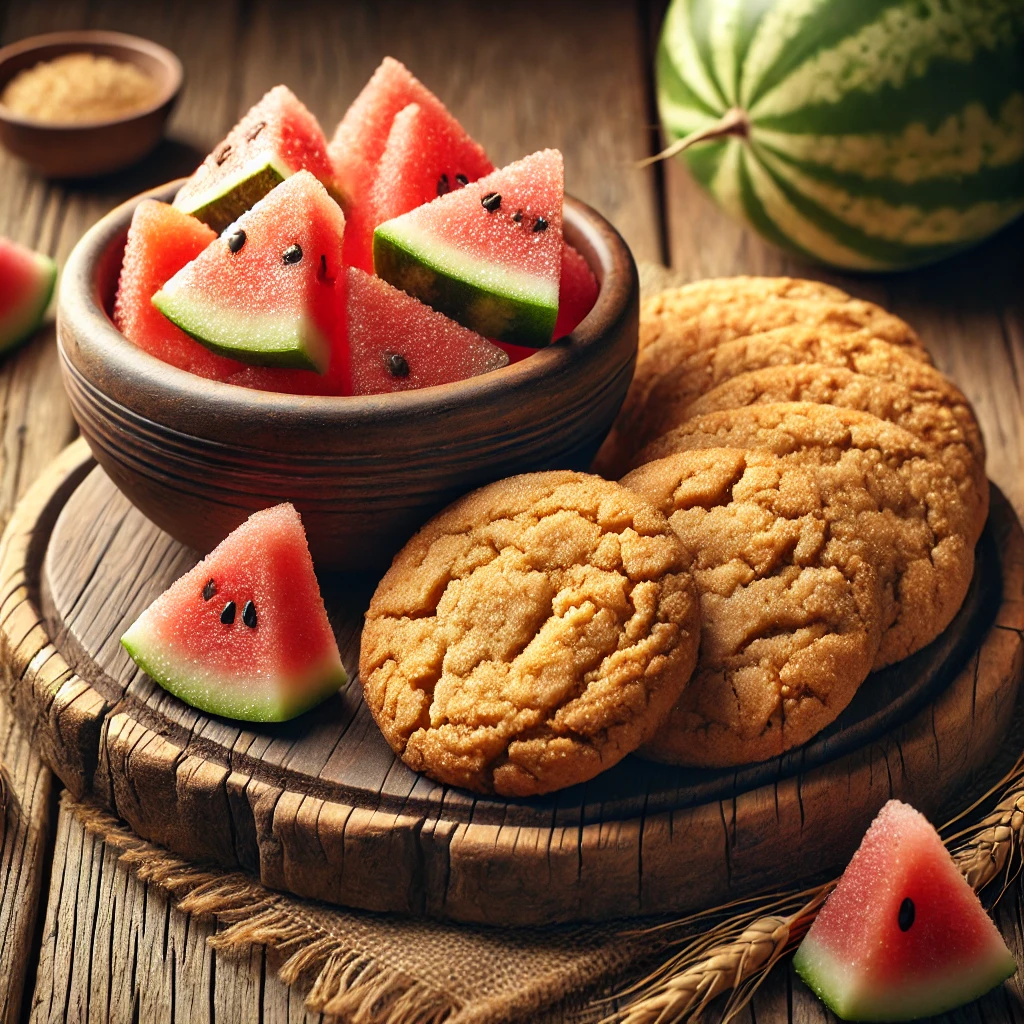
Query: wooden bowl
{"points": [[198, 456], [83, 150]]}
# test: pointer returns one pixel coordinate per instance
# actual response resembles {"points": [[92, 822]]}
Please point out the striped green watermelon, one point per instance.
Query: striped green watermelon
{"points": [[868, 134]]}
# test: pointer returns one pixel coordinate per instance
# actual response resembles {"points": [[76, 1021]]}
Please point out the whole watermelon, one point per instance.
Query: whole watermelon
{"points": [[868, 134]]}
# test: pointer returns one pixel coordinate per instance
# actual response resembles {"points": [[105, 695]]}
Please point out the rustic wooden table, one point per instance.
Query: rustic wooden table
{"points": [[82, 939]]}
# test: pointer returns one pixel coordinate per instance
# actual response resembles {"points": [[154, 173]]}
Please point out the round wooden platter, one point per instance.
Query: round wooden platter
{"points": [[321, 807]]}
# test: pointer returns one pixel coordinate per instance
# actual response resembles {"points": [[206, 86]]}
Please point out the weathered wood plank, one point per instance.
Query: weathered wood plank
{"points": [[114, 949]]}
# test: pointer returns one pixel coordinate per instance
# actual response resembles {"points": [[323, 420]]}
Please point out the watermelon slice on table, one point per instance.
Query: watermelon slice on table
{"points": [[903, 935], [428, 154], [276, 138], [397, 343], [27, 280], [270, 290], [362, 137], [489, 255], [161, 240], [244, 634]]}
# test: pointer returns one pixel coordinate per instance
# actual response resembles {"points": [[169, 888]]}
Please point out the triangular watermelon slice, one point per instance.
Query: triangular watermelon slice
{"points": [[270, 290], [428, 154], [577, 292], [489, 255], [276, 138], [161, 240], [397, 343], [361, 138], [26, 286], [903, 935], [244, 634]]}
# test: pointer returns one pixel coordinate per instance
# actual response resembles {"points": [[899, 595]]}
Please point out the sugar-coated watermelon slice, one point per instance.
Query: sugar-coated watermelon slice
{"points": [[577, 292], [161, 240], [244, 633], [489, 255], [398, 343], [276, 138], [903, 935], [360, 140], [270, 290], [27, 279]]}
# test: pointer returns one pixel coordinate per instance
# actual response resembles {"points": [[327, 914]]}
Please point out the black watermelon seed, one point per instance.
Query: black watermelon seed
{"points": [[396, 364], [540, 224], [236, 240], [907, 915], [444, 186], [209, 590], [222, 155], [249, 614], [517, 216], [461, 179], [255, 130], [292, 254], [491, 202], [228, 615]]}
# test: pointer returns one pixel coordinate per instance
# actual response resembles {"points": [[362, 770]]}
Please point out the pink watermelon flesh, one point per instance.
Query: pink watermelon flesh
{"points": [[360, 140], [489, 255], [427, 154], [26, 286], [398, 343], [270, 290], [161, 240], [577, 292], [267, 665], [276, 138], [872, 955]]}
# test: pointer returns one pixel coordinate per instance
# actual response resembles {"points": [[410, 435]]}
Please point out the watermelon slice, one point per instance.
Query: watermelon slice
{"points": [[577, 292], [276, 138], [363, 135], [161, 240], [270, 290], [903, 935], [244, 634], [26, 286], [397, 343], [489, 255]]}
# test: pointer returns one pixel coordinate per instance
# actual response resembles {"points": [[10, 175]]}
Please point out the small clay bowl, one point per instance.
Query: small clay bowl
{"points": [[88, 149], [198, 456]]}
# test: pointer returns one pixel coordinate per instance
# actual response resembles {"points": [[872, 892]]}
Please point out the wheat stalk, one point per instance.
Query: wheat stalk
{"points": [[737, 954]]}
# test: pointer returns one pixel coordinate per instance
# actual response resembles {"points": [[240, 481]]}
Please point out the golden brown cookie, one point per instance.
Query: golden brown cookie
{"points": [[530, 635], [928, 405], [914, 522], [791, 607], [677, 325]]}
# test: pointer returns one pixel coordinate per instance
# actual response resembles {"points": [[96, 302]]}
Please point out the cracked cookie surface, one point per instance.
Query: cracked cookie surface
{"points": [[912, 521], [928, 405], [791, 607], [530, 635], [677, 325]]}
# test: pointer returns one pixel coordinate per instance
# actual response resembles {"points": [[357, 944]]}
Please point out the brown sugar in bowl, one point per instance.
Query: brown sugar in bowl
{"points": [[87, 149], [198, 456]]}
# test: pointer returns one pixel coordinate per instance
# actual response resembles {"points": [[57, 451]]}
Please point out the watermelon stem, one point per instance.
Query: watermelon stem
{"points": [[733, 122]]}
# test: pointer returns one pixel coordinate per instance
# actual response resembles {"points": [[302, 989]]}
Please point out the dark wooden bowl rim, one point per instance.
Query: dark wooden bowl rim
{"points": [[85, 41], [220, 411]]}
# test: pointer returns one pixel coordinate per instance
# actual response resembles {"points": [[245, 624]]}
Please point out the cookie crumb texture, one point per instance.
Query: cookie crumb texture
{"points": [[530, 635]]}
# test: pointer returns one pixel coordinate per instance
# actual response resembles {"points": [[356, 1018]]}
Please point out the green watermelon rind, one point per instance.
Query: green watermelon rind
{"points": [[20, 328], [224, 202], [284, 342], [823, 975], [235, 699], [493, 300]]}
